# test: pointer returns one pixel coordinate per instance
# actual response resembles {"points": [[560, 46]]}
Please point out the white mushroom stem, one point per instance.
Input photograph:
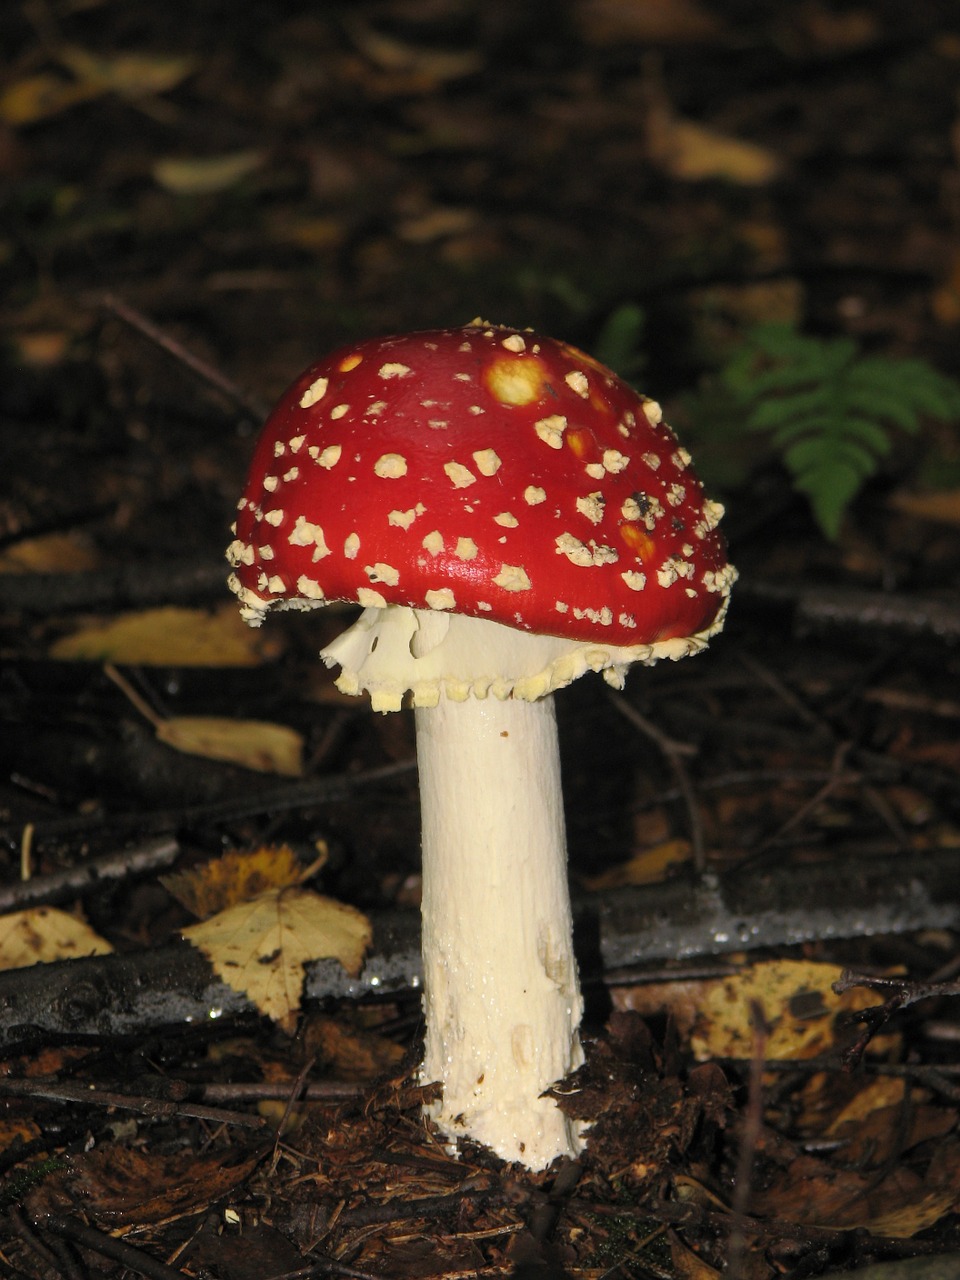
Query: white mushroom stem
{"points": [[501, 998]]}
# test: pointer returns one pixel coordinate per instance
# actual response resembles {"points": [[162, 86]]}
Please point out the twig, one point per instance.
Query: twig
{"points": [[155, 1108], [250, 405], [674, 753], [61, 886], [110, 1247], [749, 1143]]}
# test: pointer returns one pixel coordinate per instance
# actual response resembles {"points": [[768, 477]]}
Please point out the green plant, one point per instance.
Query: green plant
{"points": [[830, 413]]}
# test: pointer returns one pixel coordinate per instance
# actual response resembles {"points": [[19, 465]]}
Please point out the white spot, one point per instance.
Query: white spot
{"points": [[514, 343], [339, 410], [676, 494], [631, 509], [316, 391], [720, 580], [506, 520], [438, 424], [614, 461], [681, 459], [484, 607], [603, 617], [466, 549], [266, 553], [592, 507], [380, 572], [550, 430], [580, 554], [475, 409], [276, 586], [561, 607], [305, 534], [375, 408], [712, 514], [635, 581], [595, 470], [488, 462], [651, 459], [652, 412], [308, 588], [274, 517], [512, 577], [463, 377], [394, 370], [672, 569], [270, 483], [626, 620], [292, 474], [390, 466], [329, 457], [577, 382], [404, 519], [370, 599], [433, 542], [351, 545], [459, 475], [533, 495], [296, 443], [440, 599], [691, 592], [279, 448]]}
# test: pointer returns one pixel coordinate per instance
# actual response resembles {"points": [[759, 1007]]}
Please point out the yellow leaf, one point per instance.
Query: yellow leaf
{"points": [[201, 176], [649, 866], [799, 1007], [41, 96], [44, 934], [51, 553], [170, 636], [255, 744], [694, 153], [235, 877], [132, 75], [260, 948]]}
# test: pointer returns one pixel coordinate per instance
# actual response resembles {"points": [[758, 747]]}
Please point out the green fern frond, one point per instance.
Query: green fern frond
{"points": [[830, 412]]}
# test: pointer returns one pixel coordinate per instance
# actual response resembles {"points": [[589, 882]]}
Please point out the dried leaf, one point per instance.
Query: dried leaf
{"points": [[51, 553], [694, 152], [170, 636], [131, 75], [205, 175], [44, 934], [235, 877], [942, 506], [799, 1006], [41, 96], [649, 866], [255, 744], [118, 1185], [260, 948], [612, 22]]}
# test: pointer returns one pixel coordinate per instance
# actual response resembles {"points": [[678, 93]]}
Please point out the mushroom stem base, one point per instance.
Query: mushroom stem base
{"points": [[501, 996]]}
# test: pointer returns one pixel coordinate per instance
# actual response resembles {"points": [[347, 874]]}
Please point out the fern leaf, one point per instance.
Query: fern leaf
{"points": [[830, 490]]}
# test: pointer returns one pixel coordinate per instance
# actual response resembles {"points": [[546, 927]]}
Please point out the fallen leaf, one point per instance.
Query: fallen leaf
{"points": [[131, 75], [350, 1053], [800, 1008], [255, 744], [941, 506], [44, 934], [260, 948], [694, 152], [51, 553], [234, 877], [205, 175], [124, 1186], [41, 96], [171, 636], [611, 22], [649, 866]]}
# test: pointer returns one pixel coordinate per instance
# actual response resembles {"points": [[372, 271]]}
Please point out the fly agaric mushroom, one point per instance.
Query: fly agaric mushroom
{"points": [[510, 515]]}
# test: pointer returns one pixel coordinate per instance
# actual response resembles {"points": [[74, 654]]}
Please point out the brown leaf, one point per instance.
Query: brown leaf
{"points": [[170, 636], [235, 877], [44, 934]]}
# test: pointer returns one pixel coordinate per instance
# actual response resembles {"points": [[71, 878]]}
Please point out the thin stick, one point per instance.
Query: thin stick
{"points": [[156, 1108], [250, 405], [61, 886], [109, 1247]]}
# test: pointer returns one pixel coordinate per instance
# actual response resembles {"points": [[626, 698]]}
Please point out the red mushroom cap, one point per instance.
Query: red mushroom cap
{"points": [[485, 470]]}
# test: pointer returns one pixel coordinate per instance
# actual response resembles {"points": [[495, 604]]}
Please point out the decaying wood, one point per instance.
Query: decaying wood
{"points": [[122, 995]]}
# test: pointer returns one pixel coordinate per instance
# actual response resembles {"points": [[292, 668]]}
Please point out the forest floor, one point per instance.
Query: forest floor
{"points": [[197, 201]]}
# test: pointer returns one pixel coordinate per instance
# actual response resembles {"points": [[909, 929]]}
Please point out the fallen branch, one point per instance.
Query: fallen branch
{"points": [[123, 995]]}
